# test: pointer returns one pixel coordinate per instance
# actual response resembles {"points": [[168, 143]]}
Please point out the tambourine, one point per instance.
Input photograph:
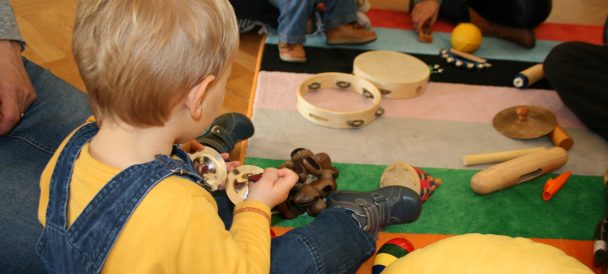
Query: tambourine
{"points": [[337, 119], [397, 75]]}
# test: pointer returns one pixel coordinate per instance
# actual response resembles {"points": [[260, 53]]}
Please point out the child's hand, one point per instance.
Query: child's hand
{"points": [[274, 186], [230, 165], [191, 146]]}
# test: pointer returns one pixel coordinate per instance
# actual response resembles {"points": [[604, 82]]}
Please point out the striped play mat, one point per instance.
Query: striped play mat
{"points": [[433, 131]]}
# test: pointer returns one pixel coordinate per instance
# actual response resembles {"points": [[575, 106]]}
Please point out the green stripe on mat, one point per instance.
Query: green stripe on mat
{"points": [[455, 209]]}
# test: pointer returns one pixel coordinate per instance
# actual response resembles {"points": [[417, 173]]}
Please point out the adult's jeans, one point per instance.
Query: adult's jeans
{"points": [[295, 13], [332, 243], [512, 13], [24, 152], [577, 71]]}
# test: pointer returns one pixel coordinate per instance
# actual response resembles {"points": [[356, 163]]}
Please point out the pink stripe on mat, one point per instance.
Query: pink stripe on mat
{"points": [[441, 101]]}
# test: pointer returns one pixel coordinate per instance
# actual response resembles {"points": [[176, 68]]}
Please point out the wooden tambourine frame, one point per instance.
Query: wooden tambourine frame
{"points": [[335, 119], [395, 74]]}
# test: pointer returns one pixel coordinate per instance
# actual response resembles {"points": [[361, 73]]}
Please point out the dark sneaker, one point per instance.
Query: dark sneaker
{"points": [[227, 130], [377, 209]]}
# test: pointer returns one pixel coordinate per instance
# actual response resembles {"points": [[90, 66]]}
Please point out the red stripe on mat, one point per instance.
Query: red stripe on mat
{"points": [[581, 250], [546, 31]]}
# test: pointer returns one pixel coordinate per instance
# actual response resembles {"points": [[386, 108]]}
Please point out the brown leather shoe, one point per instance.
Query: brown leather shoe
{"points": [[520, 36], [293, 53], [350, 34]]}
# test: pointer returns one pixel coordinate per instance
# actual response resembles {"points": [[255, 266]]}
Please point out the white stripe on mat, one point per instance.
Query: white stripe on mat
{"points": [[423, 143]]}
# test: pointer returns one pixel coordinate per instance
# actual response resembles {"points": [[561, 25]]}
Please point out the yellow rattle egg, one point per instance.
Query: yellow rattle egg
{"points": [[466, 37]]}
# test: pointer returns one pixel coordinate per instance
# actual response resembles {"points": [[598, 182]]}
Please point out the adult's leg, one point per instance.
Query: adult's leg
{"points": [[292, 21], [337, 17], [513, 13], [332, 243], [25, 152], [455, 11], [578, 72], [260, 10], [339, 12]]}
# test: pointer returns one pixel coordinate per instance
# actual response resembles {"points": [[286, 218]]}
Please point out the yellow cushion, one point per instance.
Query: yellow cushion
{"points": [[477, 253]]}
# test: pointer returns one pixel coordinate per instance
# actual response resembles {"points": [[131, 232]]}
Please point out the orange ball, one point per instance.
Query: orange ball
{"points": [[466, 37]]}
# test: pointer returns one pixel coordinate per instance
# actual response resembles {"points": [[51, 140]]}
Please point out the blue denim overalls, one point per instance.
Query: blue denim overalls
{"points": [[85, 245]]}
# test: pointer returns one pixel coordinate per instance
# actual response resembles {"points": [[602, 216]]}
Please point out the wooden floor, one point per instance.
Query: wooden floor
{"points": [[47, 27]]}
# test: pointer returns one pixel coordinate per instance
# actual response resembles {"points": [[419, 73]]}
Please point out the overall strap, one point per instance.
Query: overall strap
{"points": [[95, 231], [60, 180]]}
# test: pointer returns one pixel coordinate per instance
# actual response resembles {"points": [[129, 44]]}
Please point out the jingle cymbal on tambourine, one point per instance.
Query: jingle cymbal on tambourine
{"points": [[524, 122]]}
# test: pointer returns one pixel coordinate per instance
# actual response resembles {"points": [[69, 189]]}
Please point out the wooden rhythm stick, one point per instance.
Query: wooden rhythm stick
{"points": [[518, 170], [560, 137], [468, 56], [499, 156], [529, 76]]}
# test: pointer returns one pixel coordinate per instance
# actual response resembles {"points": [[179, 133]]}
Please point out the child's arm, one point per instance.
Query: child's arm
{"points": [[206, 246]]}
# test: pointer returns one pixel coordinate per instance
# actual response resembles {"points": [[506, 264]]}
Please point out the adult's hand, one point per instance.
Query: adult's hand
{"points": [[425, 13], [16, 90]]}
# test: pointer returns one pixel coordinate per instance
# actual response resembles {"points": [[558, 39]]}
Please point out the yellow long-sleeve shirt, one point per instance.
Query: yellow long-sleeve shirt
{"points": [[175, 229]]}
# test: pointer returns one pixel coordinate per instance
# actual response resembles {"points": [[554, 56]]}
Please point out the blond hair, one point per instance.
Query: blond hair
{"points": [[139, 58]]}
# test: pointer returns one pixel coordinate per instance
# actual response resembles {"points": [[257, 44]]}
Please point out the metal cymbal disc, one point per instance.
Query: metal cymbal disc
{"points": [[524, 122], [211, 166], [238, 181]]}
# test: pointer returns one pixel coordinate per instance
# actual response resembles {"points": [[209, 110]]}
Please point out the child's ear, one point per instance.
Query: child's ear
{"points": [[194, 99]]}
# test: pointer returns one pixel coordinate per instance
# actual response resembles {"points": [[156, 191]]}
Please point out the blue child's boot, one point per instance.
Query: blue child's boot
{"points": [[376, 209]]}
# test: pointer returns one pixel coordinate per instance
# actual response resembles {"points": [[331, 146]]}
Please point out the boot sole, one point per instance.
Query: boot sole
{"points": [[350, 42], [292, 59]]}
